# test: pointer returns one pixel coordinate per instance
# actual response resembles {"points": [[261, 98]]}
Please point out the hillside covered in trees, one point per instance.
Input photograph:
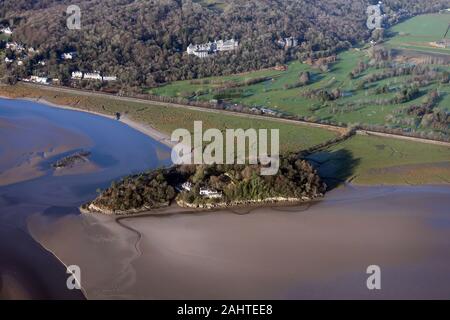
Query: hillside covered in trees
{"points": [[144, 42]]}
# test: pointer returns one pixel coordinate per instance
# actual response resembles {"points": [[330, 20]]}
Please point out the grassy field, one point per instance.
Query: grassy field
{"points": [[362, 159], [273, 94], [418, 32], [377, 160]]}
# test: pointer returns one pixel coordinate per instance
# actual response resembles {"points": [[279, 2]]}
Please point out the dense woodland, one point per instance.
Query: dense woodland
{"points": [[144, 42]]}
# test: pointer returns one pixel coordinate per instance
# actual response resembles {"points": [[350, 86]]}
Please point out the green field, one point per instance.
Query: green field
{"points": [[377, 160], [274, 95], [418, 32]]}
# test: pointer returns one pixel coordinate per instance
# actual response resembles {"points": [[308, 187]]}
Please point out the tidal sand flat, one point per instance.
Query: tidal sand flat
{"points": [[33, 137], [320, 250]]}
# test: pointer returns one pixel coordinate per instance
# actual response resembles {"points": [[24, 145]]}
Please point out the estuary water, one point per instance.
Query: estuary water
{"points": [[32, 137], [320, 250]]}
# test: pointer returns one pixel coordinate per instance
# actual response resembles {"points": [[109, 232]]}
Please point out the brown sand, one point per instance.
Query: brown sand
{"points": [[280, 253]]}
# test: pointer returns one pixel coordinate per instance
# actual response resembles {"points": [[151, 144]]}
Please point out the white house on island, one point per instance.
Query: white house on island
{"points": [[6, 30], [208, 193]]}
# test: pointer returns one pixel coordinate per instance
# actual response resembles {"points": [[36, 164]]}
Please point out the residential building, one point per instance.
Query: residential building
{"points": [[227, 45], [187, 186], [14, 46], [92, 76], [6, 30], [77, 75], [213, 194], [110, 78], [42, 80], [68, 55], [211, 48], [287, 43]]}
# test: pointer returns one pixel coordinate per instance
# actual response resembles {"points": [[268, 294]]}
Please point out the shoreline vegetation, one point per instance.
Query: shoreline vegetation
{"points": [[210, 187]]}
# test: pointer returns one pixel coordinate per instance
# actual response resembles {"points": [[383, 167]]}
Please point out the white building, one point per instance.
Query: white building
{"points": [[7, 60], [6, 30], [68, 55], [92, 76], [227, 45], [286, 43], [201, 50], [208, 49], [110, 78], [187, 186], [36, 79], [77, 75], [14, 46], [210, 193]]}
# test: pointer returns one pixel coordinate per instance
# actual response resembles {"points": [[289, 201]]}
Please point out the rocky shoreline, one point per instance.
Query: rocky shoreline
{"points": [[281, 201], [93, 209], [243, 203]]}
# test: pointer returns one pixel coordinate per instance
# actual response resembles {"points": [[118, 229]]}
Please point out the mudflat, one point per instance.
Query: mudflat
{"points": [[315, 251]]}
